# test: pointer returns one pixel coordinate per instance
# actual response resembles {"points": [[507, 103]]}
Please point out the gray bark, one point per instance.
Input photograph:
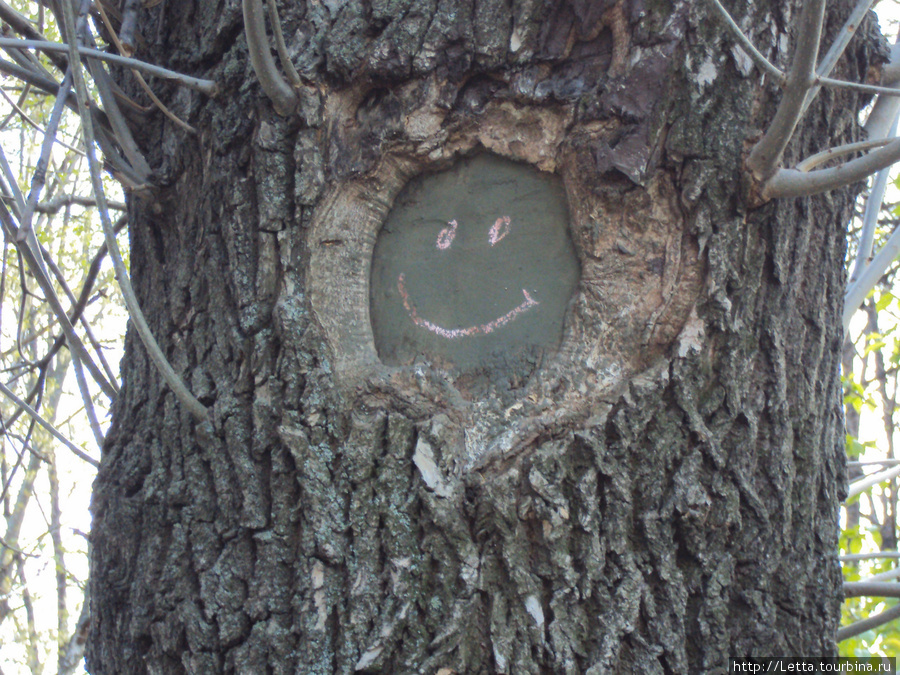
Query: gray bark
{"points": [[663, 491]]}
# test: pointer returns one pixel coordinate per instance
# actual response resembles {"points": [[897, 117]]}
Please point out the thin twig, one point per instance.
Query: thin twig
{"points": [[280, 47], [858, 86], [815, 160], [793, 183], [207, 87], [53, 205], [23, 26], [870, 222], [878, 555], [283, 97], [53, 431], [28, 61], [828, 62], [137, 75], [12, 184], [34, 125], [104, 85], [17, 105], [747, 45], [35, 265], [859, 289], [48, 85], [136, 160], [875, 589], [859, 627], [88, 331], [83, 300], [40, 171], [93, 422], [137, 316], [866, 482]]}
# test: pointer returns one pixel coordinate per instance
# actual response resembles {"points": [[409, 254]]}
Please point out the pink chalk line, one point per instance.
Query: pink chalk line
{"points": [[498, 230], [454, 333], [445, 236]]}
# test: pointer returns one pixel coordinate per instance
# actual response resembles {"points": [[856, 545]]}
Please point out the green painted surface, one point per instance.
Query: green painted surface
{"points": [[473, 269]]}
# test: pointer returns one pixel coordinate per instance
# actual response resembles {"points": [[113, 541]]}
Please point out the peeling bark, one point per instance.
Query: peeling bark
{"points": [[663, 492]]}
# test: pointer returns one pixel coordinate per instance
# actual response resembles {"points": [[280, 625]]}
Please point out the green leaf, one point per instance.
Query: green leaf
{"points": [[885, 299]]}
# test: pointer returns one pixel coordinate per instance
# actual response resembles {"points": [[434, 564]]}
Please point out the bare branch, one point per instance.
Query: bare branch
{"points": [[891, 71], [866, 482], [93, 422], [767, 153], [884, 576], [280, 47], [11, 184], [875, 462], [43, 83], [875, 589], [73, 651], [77, 347], [747, 45], [137, 316], [869, 623], [869, 225], [884, 111], [867, 231], [34, 125], [794, 183], [136, 160], [56, 203], [283, 97], [52, 430], [878, 555], [207, 87], [23, 27], [128, 26], [859, 289], [848, 30], [128, 50], [40, 170], [858, 86], [815, 160]]}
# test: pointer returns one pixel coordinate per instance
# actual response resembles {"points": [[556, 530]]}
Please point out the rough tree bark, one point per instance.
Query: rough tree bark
{"points": [[660, 493]]}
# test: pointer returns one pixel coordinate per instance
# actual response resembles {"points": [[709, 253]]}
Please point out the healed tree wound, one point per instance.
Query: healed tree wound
{"points": [[499, 287]]}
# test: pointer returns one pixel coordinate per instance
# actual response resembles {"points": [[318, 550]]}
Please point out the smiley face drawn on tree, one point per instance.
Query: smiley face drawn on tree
{"points": [[445, 239], [473, 267]]}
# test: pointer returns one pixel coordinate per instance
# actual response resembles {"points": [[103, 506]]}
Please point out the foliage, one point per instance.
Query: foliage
{"points": [[869, 520]]}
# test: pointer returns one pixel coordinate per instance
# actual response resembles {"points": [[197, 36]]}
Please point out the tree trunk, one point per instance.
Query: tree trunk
{"points": [[650, 485]]}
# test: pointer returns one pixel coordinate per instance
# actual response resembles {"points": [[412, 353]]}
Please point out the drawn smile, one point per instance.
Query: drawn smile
{"points": [[497, 232]]}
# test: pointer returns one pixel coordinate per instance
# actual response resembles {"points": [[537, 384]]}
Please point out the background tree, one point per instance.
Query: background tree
{"points": [[657, 494]]}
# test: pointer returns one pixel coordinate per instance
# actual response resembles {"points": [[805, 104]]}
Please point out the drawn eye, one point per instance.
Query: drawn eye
{"points": [[499, 229], [446, 236]]}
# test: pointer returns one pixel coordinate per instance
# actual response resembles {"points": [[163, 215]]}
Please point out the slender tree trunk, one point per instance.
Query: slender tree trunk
{"points": [[652, 488]]}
